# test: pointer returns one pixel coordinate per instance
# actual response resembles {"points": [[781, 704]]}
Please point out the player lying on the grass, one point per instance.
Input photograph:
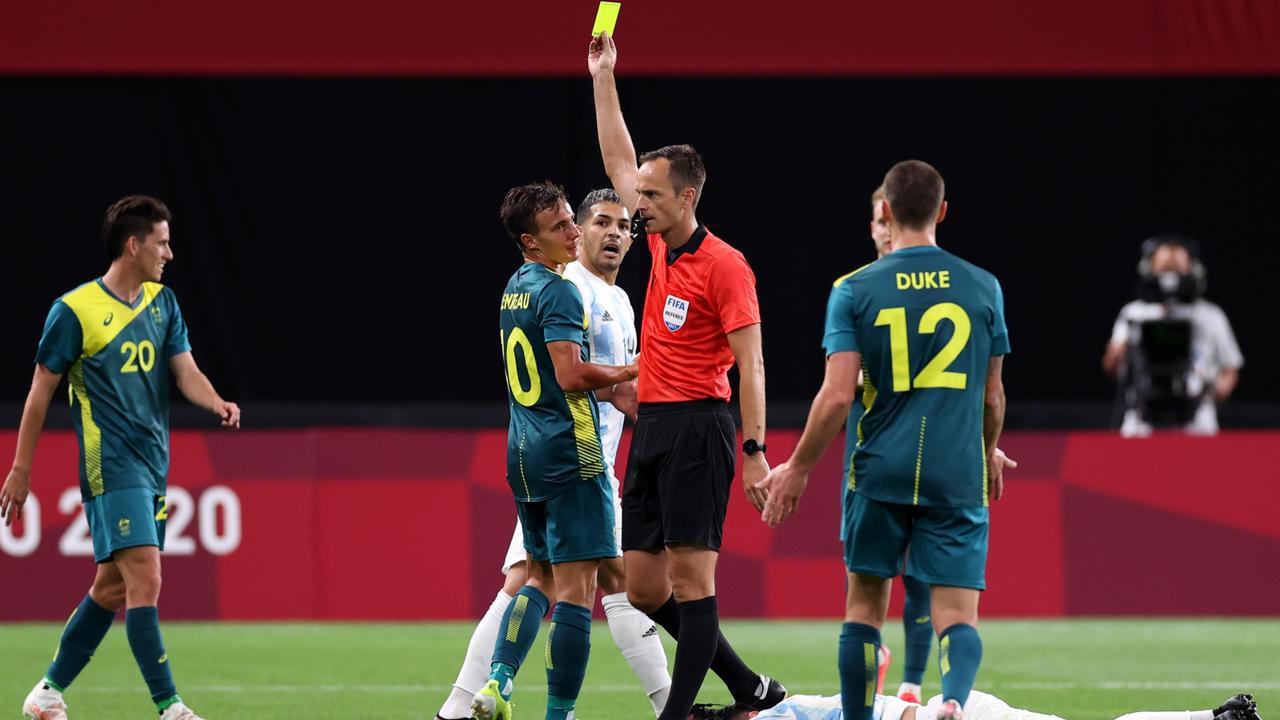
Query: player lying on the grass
{"points": [[606, 237], [555, 459], [117, 338], [980, 706]]}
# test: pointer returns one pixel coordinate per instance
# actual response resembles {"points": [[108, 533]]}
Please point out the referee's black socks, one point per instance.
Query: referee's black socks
{"points": [[673, 616]]}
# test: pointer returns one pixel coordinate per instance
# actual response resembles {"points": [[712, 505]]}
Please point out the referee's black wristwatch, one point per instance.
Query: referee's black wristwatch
{"points": [[751, 447]]}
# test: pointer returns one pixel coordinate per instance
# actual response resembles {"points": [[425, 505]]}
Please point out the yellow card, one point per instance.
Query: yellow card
{"points": [[606, 18]]}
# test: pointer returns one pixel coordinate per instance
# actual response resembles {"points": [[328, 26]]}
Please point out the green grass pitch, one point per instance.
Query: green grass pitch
{"points": [[1078, 669]]}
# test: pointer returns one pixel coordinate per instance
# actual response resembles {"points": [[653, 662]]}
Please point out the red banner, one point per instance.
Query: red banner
{"points": [[413, 524], [709, 37]]}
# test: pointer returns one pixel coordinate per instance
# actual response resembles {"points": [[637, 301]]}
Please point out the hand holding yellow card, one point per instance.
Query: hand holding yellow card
{"points": [[606, 18]]}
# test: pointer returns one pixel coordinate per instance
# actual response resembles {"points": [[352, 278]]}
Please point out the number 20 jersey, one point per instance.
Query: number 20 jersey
{"points": [[116, 359], [926, 324], [553, 440]]}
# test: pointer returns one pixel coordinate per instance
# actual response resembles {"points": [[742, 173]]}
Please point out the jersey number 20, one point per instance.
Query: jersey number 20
{"points": [[935, 373], [141, 354], [518, 341]]}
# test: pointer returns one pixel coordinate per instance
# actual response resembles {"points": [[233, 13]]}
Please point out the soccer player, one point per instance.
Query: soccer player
{"points": [[555, 460], [981, 706], [928, 330], [700, 317], [916, 629], [117, 339], [606, 238]]}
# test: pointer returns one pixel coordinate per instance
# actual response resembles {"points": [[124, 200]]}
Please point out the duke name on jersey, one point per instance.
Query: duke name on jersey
{"points": [[612, 341], [926, 324], [553, 441], [115, 356]]}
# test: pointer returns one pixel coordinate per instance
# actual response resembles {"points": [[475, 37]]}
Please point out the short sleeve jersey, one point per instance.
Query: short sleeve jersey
{"points": [[926, 324], [611, 332], [553, 440], [115, 356], [697, 295]]}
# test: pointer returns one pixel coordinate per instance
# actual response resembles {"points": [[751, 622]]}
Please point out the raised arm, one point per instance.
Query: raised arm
{"points": [[573, 374], [616, 150], [18, 484], [199, 391]]}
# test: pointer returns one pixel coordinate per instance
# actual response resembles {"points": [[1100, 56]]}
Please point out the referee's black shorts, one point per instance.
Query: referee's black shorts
{"points": [[679, 474]]}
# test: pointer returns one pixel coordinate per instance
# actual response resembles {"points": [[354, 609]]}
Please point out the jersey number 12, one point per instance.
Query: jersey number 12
{"points": [[935, 373]]}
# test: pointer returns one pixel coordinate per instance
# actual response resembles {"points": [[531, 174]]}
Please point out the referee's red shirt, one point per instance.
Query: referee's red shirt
{"points": [[697, 296]]}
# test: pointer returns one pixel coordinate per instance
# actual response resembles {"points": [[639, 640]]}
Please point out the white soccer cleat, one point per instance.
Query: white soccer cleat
{"points": [[179, 711], [44, 703]]}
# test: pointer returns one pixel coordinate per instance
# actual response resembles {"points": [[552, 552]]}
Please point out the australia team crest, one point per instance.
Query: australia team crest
{"points": [[675, 312]]}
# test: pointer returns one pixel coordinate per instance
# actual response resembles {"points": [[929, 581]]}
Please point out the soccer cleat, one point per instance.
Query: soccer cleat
{"points": [[489, 703], [910, 692], [1237, 707], [179, 711], [910, 697], [44, 703], [885, 657], [768, 693], [950, 710]]}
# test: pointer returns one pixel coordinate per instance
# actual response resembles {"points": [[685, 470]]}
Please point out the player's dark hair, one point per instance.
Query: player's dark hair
{"points": [[687, 169], [914, 190], [521, 205], [132, 216], [593, 198]]}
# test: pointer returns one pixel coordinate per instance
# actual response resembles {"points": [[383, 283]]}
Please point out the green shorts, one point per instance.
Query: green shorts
{"points": [[574, 525], [948, 545], [126, 518]]}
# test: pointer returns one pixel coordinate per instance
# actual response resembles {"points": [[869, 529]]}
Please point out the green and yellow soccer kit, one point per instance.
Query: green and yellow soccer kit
{"points": [[926, 324], [555, 462], [116, 359]]}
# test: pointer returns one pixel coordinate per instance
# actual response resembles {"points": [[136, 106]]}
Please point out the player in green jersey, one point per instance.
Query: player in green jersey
{"points": [[117, 339], [555, 463], [927, 329]]}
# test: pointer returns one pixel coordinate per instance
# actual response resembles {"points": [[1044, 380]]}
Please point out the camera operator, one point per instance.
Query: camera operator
{"points": [[1172, 352]]}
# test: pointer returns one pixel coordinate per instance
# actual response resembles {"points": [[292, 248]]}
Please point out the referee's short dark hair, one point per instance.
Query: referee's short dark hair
{"points": [[521, 205], [914, 190], [687, 169], [593, 198], [132, 216]]}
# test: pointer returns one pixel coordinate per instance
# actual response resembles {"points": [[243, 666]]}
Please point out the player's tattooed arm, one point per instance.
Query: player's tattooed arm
{"points": [[199, 391], [573, 374], [616, 148], [13, 495], [993, 424]]}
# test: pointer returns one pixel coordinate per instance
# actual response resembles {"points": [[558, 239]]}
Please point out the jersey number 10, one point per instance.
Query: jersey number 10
{"points": [[935, 373], [519, 341]]}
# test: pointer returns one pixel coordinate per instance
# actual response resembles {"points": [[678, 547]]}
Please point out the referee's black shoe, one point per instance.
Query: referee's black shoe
{"points": [[1237, 707], [770, 692]]}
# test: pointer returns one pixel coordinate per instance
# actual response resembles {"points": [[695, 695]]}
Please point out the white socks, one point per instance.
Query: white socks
{"points": [[636, 636], [474, 672], [1183, 715]]}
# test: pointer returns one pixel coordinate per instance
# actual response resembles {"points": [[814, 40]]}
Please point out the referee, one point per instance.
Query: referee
{"points": [[700, 317]]}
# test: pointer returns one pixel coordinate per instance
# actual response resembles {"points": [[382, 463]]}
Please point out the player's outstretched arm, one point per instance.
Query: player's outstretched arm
{"points": [[748, 354], [199, 391], [993, 424], [616, 148], [18, 483], [573, 374], [787, 481]]}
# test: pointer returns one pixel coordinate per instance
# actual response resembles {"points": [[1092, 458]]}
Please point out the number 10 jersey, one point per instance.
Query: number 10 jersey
{"points": [[926, 324], [553, 440]]}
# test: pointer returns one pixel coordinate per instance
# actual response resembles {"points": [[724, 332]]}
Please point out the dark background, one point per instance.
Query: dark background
{"points": [[339, 257]]}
